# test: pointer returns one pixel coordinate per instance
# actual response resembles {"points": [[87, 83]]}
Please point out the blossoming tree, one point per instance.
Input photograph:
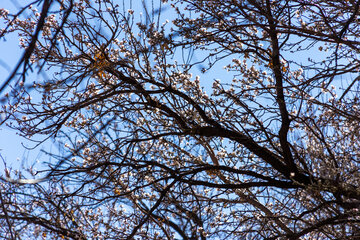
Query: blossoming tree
{"points": [[233, 119]]}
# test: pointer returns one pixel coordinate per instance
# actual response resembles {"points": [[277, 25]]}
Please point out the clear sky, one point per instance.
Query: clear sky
{"points": [[11, 145], [12, 149]]}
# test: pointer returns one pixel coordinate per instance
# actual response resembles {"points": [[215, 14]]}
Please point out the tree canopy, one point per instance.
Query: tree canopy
{"points": [[221, 119]]}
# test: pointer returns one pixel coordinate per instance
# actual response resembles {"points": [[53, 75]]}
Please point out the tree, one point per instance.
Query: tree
{"points": [[156, 146]]}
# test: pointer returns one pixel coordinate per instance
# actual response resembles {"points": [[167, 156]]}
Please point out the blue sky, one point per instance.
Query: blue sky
{"points": [[11, 144]]}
